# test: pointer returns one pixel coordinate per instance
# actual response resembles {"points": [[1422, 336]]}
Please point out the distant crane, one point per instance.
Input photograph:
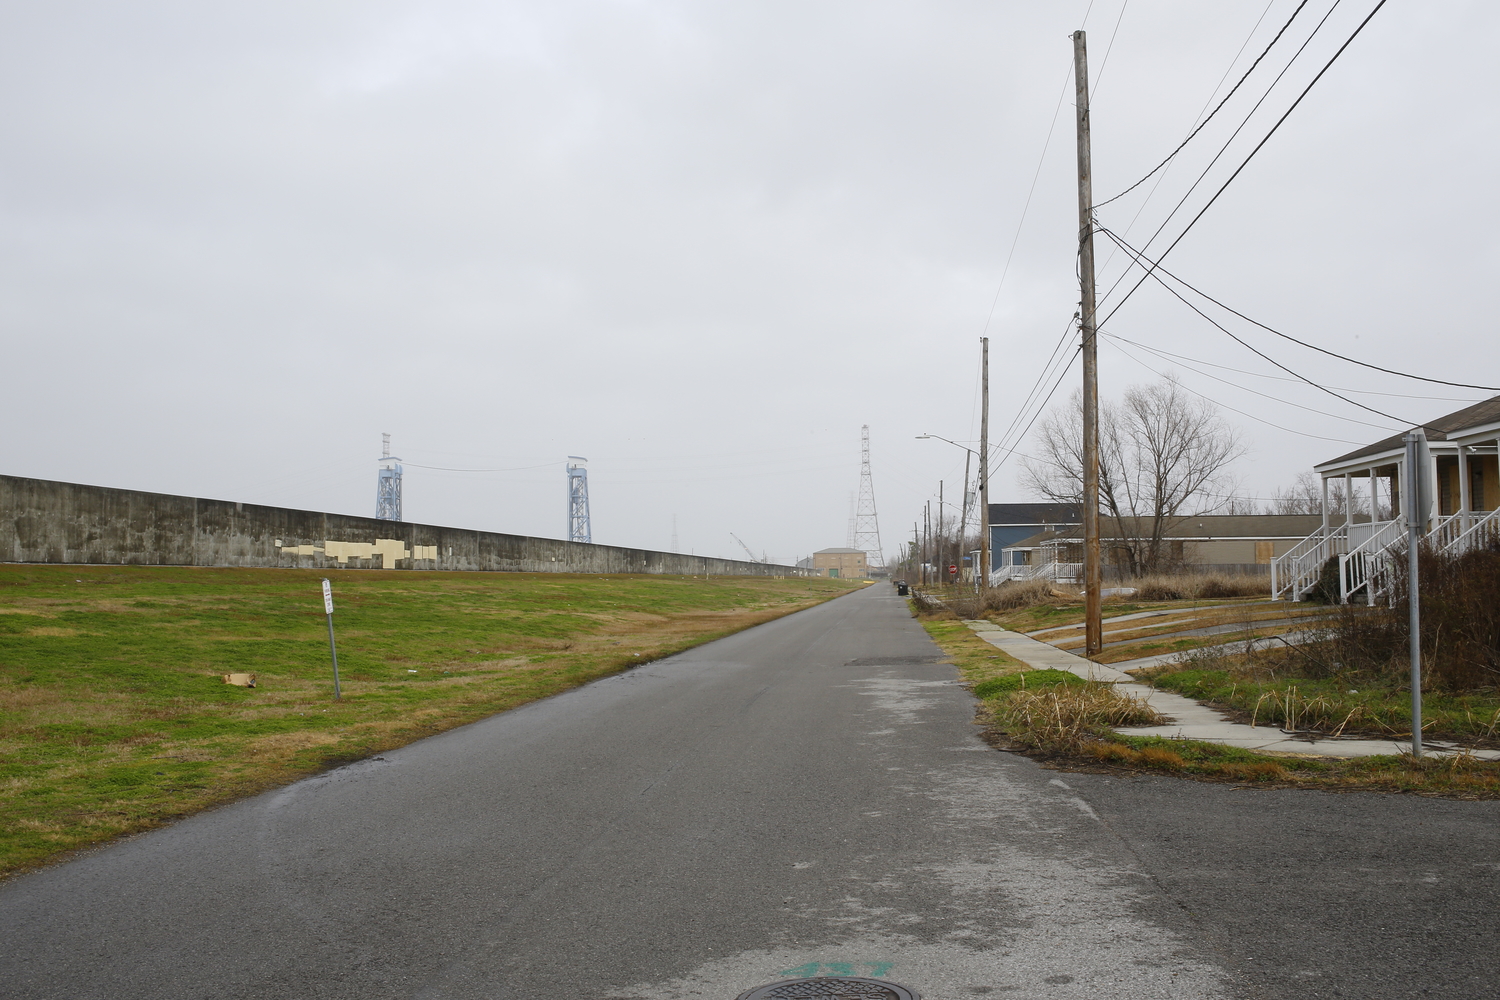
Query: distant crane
{"points": [[747, 549]]}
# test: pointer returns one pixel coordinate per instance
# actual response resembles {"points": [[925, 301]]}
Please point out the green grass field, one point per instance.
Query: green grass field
{"points": [[114, 716]]}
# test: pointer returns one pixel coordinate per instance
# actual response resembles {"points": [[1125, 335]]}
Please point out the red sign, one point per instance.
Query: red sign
{"points": [[952, 568]]}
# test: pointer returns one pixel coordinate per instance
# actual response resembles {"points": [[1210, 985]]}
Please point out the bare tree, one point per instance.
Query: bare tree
{"points": [[1305, 496], [1162, 454]]}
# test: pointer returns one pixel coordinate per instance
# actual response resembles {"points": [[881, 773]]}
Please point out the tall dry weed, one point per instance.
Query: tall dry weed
{"points": [[1460, 613], [1069, 716]]}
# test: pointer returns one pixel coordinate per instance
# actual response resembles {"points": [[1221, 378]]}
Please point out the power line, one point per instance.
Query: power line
{"points": [[520, 468], [1278, 378], [1151, 273], [1156, 266], [1041, 160], [1022, 436], [1141, 208], [1244, 122], [1041, 380], [1099, 77], [1263, 395], [1242, 413], [1258, 147], [1211, 114]]}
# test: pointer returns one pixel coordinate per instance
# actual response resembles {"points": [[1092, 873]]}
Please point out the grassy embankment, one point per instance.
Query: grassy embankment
{"points": [[1066, 721], [114, 716]]}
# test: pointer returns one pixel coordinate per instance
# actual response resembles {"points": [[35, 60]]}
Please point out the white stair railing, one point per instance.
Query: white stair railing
{"points": [[1296, 571], [1371, 558], [1479, 534]]}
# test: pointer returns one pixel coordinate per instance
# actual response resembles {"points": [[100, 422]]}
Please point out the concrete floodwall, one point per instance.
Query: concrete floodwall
{"points": [[42, 521]]}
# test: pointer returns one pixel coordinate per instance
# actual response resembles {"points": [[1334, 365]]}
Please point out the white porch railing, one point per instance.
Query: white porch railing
{"points": [[1296, 571], [1056, 572], [1479, 533], [1370, 560]]}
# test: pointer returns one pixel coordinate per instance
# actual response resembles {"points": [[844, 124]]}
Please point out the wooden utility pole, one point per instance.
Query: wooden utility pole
{"points": [[1092, 575], [984, 464]]}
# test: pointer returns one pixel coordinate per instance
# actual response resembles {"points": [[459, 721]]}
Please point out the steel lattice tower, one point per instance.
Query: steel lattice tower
{"points": [[866, 524], [388, 484], [578, 501]]}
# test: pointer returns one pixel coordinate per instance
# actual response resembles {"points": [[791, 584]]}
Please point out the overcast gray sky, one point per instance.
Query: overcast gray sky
{"points": [[700, 243]]}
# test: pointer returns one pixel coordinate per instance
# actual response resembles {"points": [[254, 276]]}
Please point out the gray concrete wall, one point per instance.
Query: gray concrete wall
{"points": [[49, 522]]}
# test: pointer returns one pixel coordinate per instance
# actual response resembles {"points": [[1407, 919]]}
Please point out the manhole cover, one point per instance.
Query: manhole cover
{"points": [[832, 988]]}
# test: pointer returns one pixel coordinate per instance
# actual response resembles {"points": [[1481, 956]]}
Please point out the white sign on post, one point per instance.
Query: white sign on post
{"points": [[333, 651]]}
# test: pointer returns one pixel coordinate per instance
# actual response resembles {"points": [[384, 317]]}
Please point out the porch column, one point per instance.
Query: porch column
{"points": [[1325, 506], [1374, 498], [1464, 499], [1348, 500], [1436, 510]]}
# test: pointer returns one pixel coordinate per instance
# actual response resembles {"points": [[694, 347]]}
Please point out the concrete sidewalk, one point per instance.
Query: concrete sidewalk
{"points": [[1189, 719]]}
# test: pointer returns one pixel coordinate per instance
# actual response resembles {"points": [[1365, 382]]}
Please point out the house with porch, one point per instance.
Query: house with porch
{"points": [[1236, 544], [1463, 480]]}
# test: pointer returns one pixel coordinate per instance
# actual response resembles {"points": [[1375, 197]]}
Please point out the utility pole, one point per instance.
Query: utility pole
{"points": [[940, 561], [984, 465], [1092, 575]]}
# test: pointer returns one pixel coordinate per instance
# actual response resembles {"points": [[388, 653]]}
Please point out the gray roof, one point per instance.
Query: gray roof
{"points": [[1485, 412], [839, 552], [1199, 526], [1035, 513]]}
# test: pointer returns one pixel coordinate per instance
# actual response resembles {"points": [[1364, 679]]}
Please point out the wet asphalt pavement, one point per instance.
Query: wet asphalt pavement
{"points": [[809, 797]]}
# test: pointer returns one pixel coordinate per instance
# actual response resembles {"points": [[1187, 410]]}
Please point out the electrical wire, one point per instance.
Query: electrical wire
{"points": [[1022, 436], [1203, 175], [1164, 355], [440, 468], [1041, 380], [1016, 239], [1262, 420], [1254, 392], [1104, 63], [1183, 145], [1258, 147], [1141, 208], [1152, 273], [1156, 266]]}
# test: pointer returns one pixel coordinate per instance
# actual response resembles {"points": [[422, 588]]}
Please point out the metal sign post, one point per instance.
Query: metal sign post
{"points": [[332, 649], [1417, 502]]}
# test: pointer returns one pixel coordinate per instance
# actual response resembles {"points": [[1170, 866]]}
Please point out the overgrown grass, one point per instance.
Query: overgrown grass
{"points": [[1045, 709], [114, 716], [1062, 719], [1187, 586], [1302, 690], [977, 661]]}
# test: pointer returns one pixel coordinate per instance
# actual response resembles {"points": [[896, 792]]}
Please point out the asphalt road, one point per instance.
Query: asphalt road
{"points": [[806, 797]]}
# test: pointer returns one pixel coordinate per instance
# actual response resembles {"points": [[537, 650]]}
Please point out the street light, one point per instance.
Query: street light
{"points": [[982, 570]]}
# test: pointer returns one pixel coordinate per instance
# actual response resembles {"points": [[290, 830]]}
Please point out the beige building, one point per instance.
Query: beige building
{"points": [[1232, 543], [847, 564]]}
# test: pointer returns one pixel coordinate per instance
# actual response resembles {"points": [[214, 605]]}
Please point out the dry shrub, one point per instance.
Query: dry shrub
{"points": [[1070, 716], [1460, 625], [1198, 586], [1024, 594]]}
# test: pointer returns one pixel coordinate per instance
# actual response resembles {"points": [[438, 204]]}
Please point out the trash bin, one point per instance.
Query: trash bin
{"points": [[902, 588]]}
